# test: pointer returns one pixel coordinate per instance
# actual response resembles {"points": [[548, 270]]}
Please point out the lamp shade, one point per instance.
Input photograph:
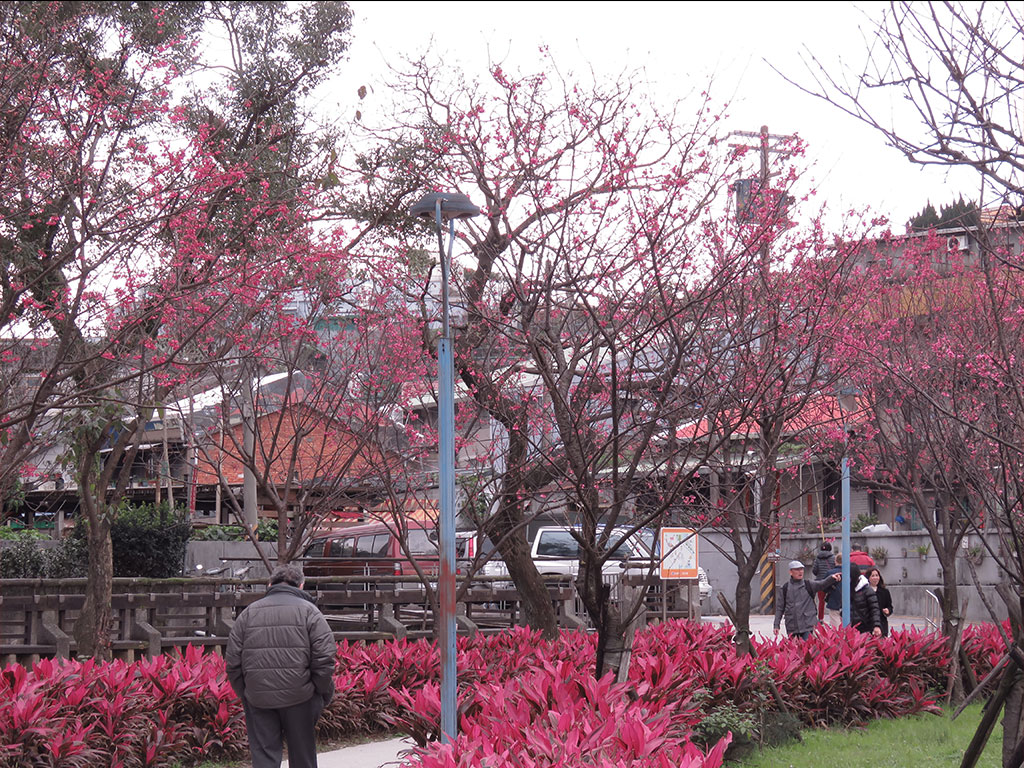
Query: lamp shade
{"points": [[454, 205]]}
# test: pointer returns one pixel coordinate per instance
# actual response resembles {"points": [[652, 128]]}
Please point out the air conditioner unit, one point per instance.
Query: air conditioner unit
{"points": [[958, 243]]}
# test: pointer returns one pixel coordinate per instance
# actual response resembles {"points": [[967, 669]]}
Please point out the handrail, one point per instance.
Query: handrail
{"points": [[152, 621], [933, 611]]}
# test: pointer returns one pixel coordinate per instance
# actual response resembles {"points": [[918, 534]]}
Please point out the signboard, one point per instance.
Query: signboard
{"points": [[679, 553], [774, 551]]}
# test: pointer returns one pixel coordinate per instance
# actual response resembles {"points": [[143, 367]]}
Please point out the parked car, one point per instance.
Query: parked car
{"points": [[477, 553], [371, 549], [556, 551]]}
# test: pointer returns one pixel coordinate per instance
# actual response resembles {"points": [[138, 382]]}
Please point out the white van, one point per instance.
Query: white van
{"points": [[556, 551]]}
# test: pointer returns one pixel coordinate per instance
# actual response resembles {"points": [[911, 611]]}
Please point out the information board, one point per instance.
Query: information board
{"points": [[679, 553]]}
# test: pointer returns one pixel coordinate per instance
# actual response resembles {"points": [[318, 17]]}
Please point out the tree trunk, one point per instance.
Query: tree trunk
{"points": [[951, 617], [606, 617], [614, 642], [617, 630], [988, 719], [92, 629], [951, 621], [1013, 711], [742, 608], [538, 611]]}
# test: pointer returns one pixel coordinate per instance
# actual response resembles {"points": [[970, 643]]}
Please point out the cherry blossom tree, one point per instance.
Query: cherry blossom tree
{"points": [[334, 371], [602, 302], [952, 69], [778, 410], [590, 203], [916, 447], [133, 218], [951, 66]]}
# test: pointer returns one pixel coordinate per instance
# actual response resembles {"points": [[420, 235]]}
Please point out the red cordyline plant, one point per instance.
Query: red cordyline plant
{"points": [[547, 719], [522, 699]]}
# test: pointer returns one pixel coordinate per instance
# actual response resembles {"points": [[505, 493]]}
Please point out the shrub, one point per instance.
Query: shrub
{"points": [[218, 533], [266, 530], [22, 559], [68, 560], [723, 721], [863, 521], [12, 533], [150, 541]]}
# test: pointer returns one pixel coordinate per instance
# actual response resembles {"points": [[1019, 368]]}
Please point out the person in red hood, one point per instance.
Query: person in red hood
{"points": [[863, 559]]}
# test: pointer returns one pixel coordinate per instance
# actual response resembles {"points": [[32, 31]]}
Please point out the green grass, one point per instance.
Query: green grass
{"points": [[929, 741]]}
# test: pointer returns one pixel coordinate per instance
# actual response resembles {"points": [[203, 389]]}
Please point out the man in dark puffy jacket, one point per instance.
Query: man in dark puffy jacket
{"points": [[822, 567], [280, 661], [834, 596], [795, 601]]}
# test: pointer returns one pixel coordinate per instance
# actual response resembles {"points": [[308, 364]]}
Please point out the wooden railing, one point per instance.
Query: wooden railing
{"points": [[37, 617]]}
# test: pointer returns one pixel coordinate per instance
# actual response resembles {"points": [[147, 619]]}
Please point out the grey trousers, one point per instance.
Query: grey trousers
{"points": [[269, 729]]}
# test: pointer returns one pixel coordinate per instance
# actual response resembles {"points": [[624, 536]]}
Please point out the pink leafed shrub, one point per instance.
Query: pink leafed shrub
{"points": [[984, 646], [522, 700], [841, 676], [553, 717]]}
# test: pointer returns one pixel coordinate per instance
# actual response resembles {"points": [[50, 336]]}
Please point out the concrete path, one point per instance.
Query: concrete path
{"points": [[372, 755], [389, 752]]}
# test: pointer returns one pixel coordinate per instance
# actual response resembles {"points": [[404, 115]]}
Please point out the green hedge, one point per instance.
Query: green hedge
{"points": [[148, 541]]}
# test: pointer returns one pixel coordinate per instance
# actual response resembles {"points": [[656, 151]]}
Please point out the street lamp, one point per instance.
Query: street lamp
{"points": [[450, 206], [847, 402]]}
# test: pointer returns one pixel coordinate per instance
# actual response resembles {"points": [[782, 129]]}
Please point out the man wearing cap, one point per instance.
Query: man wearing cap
{"points": [[795, 601]]}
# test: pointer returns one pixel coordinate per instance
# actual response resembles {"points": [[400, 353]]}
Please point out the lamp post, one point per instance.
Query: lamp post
{"points": [[450, 206], [847, 402], [845, 484]]}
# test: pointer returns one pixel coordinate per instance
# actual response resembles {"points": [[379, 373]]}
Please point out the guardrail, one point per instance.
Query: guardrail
{"points": [[149, 617], [933, 611]]}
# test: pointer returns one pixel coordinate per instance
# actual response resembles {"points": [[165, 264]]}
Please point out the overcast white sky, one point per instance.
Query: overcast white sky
{"points": [[680, 45]]}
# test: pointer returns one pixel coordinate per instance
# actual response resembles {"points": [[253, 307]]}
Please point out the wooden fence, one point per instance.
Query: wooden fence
{"points": [[37, 616]]}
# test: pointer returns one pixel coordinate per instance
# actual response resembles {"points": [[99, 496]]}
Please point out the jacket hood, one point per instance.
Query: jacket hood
{"points": [[861, 583], [289, 590]]}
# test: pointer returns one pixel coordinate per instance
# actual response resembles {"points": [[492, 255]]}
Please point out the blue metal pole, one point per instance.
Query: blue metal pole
{"points": [[846, 541], [446, 462]]}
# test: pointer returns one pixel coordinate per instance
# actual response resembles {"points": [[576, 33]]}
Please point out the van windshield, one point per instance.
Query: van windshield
{"points": [[560, 544]]}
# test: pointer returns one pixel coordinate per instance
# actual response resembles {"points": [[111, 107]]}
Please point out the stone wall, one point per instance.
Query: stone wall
{"points": [[234, 555]]}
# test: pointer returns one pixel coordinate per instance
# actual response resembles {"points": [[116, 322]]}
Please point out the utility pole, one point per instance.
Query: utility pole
{"points": [[767, 144]]}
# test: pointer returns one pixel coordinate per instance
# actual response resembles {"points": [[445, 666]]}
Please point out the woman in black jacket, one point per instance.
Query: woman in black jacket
{"points": [[884, 598], [864, 613]]}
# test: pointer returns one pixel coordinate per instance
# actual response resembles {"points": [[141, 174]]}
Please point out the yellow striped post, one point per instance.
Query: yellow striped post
{"points": [[767, 570]]}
